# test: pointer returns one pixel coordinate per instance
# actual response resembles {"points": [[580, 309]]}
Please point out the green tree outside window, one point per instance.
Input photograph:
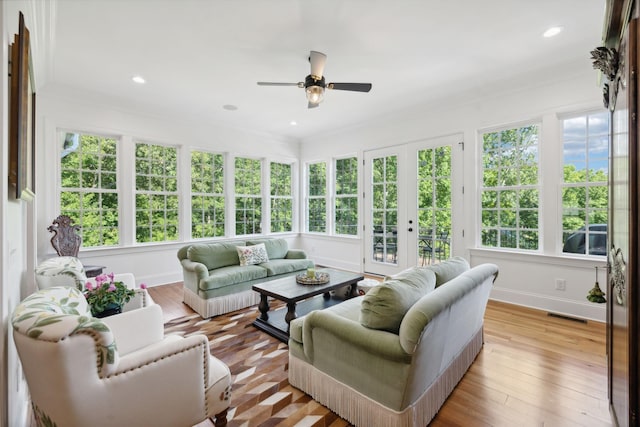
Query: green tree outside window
{"points": [[317, 197], [510, 193], [156, 197], [248, 199], [281, 197], [585, 196], [89, 187], [346, 196], [207, 195]]}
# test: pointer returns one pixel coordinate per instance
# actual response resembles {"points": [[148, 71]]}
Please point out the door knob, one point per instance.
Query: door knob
{"points": [[410, 229]]}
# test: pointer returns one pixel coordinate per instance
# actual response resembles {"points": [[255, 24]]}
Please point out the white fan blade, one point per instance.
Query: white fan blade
{"points": [[317, 60], [280, 84]]}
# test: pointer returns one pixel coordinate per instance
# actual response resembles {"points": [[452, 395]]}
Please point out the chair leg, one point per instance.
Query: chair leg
{"points": [[220, 420]]}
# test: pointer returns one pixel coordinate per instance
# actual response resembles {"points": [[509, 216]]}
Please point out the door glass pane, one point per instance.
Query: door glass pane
{"points": [[434, 204], [384, 227]]}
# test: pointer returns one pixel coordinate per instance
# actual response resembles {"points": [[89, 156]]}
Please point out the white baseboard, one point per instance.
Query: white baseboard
{"points": [[160, 279], [566, 307], [340, 264]]}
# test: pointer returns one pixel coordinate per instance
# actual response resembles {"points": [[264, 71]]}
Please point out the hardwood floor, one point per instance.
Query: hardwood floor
{"points": [[534, 370]]}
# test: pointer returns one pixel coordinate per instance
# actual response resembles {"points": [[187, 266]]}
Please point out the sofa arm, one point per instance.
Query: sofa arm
{"points": [[383, 344], [193, 273], [135, 329], [195, 347], [296, 254], [425, 310]]}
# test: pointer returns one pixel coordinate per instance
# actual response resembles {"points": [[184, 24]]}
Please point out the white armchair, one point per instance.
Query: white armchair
{"points": [[60, 271], [120, 370]]}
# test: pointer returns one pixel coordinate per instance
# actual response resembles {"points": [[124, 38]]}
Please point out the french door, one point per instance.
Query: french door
{"points": [[410, 194]]}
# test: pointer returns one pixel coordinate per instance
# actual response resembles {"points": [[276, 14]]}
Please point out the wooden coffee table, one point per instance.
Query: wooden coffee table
{"points": [[300, 299]]}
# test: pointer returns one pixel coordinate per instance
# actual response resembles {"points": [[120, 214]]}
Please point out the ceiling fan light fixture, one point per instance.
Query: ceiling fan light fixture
{"points": [[315, 94], [314, 84]]}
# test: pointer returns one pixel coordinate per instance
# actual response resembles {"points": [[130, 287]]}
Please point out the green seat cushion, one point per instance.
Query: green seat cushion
{"points": [[384, 306], [214, 255], [282, 266], [449, 269], [231, 275], [276, 248]]}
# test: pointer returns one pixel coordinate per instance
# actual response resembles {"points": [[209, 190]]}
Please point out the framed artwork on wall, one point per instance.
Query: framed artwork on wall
{"points": [[22, 117]]}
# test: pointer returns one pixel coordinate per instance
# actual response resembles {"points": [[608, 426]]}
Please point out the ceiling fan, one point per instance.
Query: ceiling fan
{"points": [[314, 84]]}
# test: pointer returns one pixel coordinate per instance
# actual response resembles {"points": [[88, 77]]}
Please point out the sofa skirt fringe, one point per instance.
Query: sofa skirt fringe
{"points": [[220, 305], [363, 411]]}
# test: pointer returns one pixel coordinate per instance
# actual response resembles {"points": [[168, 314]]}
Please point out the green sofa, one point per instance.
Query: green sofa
{"points": [[393, 356], [215, 282]]}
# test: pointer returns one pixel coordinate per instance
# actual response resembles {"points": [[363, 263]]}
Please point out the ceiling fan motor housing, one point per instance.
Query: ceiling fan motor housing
{"points": [[313, 81]]}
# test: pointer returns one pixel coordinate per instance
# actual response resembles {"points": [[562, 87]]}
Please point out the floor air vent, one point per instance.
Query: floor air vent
{"points": [[562, 316]]}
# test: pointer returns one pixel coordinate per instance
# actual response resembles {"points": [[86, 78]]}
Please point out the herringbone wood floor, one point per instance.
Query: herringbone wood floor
{"points": [[534, 370]]}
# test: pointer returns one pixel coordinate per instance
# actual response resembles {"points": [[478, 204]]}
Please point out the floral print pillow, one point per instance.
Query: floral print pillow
{"points": [[250, 255]]}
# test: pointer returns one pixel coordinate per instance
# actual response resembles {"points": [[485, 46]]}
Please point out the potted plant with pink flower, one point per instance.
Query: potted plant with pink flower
{"points": [[107, 297]]}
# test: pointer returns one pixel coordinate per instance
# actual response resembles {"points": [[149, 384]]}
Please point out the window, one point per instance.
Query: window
{"points": [[584, 189], [89, 192], [317, 200], [207, 195], [281, 198], [248, 190], [510, 194], [156, 193], [384, 207], [434, 202], [346, 196]]}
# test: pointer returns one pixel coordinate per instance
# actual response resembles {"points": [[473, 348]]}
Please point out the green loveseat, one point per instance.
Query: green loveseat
{"points": [[393, 356], [215, 282]]}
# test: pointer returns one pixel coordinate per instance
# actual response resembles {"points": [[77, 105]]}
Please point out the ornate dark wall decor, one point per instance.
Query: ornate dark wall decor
{"points": [[65, 239], [607, 60], [618, 266]]}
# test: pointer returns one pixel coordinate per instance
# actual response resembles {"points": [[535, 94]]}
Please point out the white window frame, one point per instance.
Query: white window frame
{"points": [[336, 196], [97, 190], [166, 194], [518, 188], [585, 184], [259, 197], [215, 181], [324, 197], [275, 198]]}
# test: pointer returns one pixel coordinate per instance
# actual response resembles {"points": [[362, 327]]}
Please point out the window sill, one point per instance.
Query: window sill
{"points": [[540, 258]]}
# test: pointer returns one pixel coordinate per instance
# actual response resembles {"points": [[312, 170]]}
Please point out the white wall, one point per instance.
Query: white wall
{"points": [[17, 250], [526, 280]]}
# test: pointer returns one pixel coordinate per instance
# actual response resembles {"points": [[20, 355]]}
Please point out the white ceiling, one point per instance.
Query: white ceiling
{"points": [[199, 55]]}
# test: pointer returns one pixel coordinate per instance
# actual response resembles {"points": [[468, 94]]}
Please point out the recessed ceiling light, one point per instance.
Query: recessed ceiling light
{"points": [[293, 123], [230, 107], [138, 79], [553, 31]]}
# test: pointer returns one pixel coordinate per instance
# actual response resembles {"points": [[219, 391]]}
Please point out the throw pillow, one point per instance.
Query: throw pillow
{"points": [[213, 255], [276, 248], [449, 269], [384, 306], [250, 255]]}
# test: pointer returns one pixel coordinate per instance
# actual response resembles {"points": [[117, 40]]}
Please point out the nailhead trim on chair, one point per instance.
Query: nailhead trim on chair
{"points": [[99, 353], [115, 374]]}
